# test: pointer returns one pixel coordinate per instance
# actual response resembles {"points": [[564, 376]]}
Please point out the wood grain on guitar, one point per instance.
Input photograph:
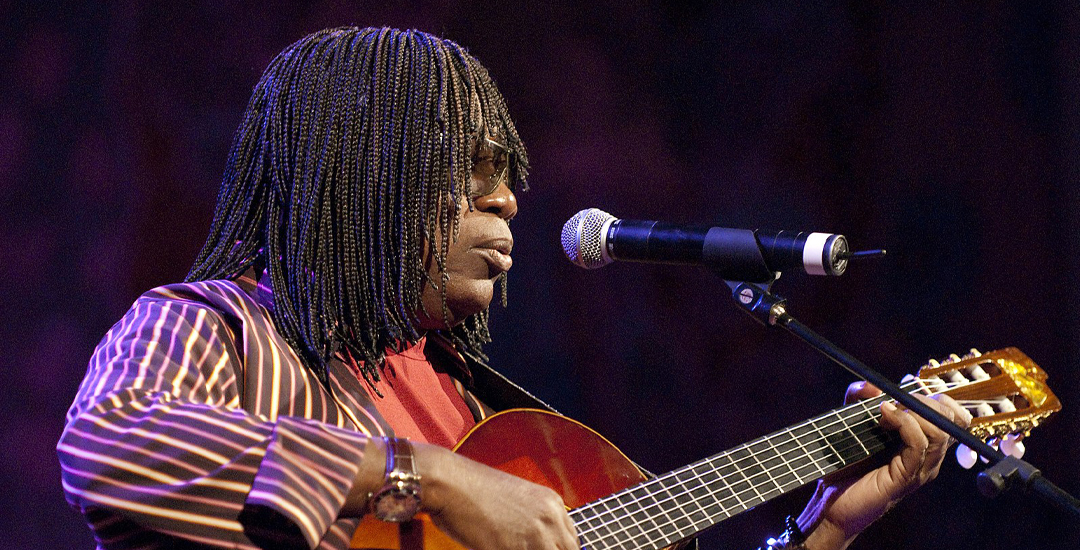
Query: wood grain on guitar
{"points": [[613, 505]]}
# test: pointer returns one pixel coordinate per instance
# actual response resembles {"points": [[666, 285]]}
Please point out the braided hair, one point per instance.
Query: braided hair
{"points": [[355, 151]]}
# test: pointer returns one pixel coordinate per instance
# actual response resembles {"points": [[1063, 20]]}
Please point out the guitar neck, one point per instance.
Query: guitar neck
{"points": [[664, 510]]}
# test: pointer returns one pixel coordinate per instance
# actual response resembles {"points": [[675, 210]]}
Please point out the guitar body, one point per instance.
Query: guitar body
{"points": [[539, 446]]}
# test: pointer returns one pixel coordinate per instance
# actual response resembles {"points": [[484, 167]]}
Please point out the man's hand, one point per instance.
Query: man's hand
{"points": [[486, 509], [480, 507], [842, 508]]}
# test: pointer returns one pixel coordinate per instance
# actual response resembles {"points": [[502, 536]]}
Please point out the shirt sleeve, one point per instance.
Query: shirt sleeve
{"points": [[157, 448]]}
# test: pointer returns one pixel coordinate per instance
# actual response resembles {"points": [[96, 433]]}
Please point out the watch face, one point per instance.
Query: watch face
{"points": [[396, 506]]}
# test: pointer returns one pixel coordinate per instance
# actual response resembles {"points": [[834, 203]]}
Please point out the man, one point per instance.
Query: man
{"points": [[361, 229]]}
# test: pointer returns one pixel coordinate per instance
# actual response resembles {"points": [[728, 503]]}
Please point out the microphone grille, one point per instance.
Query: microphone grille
{"points": [[582, 238]]}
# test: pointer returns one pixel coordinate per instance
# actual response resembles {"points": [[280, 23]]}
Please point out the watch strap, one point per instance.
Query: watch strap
{"points": [[399, 498]]}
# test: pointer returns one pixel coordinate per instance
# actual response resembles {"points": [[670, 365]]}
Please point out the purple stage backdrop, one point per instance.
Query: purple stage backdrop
{"points": [[947, 135]]}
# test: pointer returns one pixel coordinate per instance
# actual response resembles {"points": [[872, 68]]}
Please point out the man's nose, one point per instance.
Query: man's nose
{"points": [[500, 202]]}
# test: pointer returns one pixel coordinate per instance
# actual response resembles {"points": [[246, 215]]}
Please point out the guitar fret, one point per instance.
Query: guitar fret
{"points": [[757, 449], [809, 445], [824, 438], [591, 541], [626, 538], [634, 531], [687, 480], [853, 447], [672, 524], [671, 529], [627, 525], [691, 484], [874, 438], [731, 470], [847, 427], [598, 525], [644, 519], [585, 521], [738, 456], [777, 450], [617, 536], [710, 477]]}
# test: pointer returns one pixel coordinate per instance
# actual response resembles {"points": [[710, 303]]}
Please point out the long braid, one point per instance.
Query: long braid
{"points": [[354, 151]]}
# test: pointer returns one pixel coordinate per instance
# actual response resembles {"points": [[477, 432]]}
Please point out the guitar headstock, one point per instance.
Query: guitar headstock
{"points": [[1004, 390]]}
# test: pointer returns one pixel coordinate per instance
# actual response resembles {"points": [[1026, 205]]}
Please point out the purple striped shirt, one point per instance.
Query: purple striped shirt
{"points": [[197, 424]]}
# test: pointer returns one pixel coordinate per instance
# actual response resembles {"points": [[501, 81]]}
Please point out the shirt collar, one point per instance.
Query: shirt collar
{"points": [[435, 347]]}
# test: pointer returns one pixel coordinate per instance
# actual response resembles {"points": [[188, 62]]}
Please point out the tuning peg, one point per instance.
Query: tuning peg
{"points": [[1013, 446], [965, 456], [974, 352], [909, 378]]}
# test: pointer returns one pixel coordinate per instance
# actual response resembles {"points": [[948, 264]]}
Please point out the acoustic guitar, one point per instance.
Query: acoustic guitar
{"points": [[614, 505]]}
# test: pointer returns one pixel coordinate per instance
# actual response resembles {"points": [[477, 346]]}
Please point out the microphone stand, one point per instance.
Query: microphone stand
{"points": [[1003, 473]]}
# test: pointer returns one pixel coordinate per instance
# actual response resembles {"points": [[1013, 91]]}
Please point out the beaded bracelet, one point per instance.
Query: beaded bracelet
{"points": [[791, 539]]}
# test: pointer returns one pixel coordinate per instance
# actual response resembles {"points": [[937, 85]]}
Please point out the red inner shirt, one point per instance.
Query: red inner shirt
{"points": [[420, 402]]}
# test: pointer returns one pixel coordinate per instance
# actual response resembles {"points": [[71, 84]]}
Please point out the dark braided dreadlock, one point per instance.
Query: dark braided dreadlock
{"points": [[355, 150]]}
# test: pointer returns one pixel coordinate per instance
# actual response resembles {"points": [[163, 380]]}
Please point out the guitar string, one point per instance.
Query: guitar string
{"points": [[839, 419], [785, 461], [782, 455], [664, 507], [662, 527], [777, 486], [621, 533], [736, 463]]}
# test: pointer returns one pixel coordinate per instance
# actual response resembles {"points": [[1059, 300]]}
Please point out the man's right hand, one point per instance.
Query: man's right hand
{"points": [[480, 507]]}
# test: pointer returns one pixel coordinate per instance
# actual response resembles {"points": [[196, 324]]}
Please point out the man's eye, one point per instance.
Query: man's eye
{"points": [[481, 161]]}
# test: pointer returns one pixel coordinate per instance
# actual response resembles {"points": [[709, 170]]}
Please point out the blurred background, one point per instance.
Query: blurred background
{"points": [[946, 134]]}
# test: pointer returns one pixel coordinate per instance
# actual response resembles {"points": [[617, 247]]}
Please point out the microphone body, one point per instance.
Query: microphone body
{"points": [[594, 238]]}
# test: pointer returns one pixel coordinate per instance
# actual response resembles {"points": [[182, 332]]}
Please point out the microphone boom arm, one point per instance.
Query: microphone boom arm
{"points": [[1004, 471]]}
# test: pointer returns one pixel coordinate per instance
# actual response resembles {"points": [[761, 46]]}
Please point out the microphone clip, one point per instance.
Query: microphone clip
{"points": [[765, 307]]}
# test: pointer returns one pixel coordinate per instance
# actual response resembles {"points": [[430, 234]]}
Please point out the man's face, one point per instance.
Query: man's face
{"points": [[481, 251]]}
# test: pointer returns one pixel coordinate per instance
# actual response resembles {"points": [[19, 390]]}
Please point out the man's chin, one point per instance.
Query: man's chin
{"points": [[463, 300], [474, 297]]}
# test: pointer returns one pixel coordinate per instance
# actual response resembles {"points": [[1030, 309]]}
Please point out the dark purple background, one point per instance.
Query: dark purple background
{"points": [[946, 134]]}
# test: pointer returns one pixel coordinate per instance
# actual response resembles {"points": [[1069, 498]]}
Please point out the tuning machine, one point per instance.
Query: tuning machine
{"points": [[1012, 445]]}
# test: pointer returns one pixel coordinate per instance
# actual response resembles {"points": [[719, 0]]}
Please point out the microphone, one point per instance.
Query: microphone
{"points": [[593, 238]]}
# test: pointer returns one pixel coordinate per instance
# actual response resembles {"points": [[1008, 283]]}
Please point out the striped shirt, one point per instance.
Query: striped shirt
{"points": [[197, 425]]}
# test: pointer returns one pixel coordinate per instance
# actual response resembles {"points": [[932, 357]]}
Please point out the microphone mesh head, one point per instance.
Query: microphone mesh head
{"points": [[582, 238]]}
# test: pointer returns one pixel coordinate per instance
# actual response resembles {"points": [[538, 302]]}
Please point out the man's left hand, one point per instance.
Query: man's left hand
{"points": [[842, 508]]}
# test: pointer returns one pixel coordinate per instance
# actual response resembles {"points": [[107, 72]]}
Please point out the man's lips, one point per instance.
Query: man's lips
{"points": [[499, 261], [501, 244], [497, 254]]}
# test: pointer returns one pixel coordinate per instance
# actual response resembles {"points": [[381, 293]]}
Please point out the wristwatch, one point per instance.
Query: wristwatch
{"points": [[399, 498]]}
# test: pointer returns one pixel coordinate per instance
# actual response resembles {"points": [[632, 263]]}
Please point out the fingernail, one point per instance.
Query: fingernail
{"points": [[888, 406]]}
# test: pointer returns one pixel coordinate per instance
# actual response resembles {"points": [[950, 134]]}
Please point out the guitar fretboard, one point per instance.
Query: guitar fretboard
{"points": [[676, 505]]}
